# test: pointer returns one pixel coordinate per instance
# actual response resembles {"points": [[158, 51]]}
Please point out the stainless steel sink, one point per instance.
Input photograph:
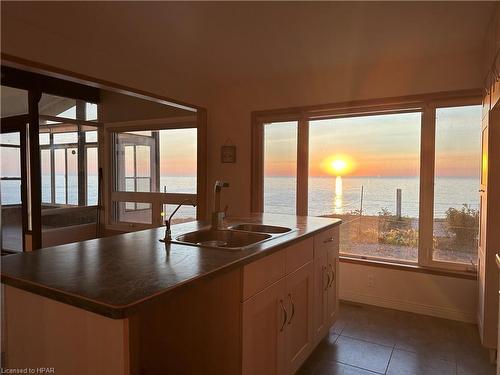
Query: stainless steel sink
{"points": [[261, 228], [222, 239]]}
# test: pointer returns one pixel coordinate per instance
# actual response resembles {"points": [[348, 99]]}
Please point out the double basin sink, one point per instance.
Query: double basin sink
{"points": [[237, 237]]}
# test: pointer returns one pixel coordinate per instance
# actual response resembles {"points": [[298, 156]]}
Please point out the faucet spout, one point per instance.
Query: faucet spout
{"points": [[217, 189], [217, 214], [168, 222]]}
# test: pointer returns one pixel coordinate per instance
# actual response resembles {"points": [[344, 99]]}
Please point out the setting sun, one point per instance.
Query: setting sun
{"points": [[338, 165]]}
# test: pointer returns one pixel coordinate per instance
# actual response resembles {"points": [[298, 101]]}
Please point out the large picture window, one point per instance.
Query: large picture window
{"points": [[365, 170], [403, 177]]}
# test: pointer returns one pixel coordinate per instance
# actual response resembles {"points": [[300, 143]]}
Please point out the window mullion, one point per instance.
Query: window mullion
{"points": [[52, 170], [302, 167], [427, 155]]}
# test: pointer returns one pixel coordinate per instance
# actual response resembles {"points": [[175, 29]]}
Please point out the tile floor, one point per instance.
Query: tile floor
{"points": [[369, 340]]}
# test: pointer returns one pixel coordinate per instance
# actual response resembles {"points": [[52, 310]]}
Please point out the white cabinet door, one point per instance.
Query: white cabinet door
{"points": [[299, 327], [264, 322]]}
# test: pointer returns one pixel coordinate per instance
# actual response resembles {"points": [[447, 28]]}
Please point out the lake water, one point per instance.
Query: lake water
{"points": [[325, 195], [11, 190]]}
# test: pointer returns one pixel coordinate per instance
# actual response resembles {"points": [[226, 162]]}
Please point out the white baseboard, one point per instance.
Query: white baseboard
{"points": [[418, 308]]}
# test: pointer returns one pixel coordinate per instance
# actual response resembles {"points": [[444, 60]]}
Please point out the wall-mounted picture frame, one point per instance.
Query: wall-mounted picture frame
{"points": [[228, 154]]}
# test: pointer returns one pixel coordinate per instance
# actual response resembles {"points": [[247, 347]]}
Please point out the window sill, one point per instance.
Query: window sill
{"points": [[409, 267]]}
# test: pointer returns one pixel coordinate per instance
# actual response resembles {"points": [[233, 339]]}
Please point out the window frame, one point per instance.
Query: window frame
{"points": [[52, 146], [426, 104], [156, 199]]}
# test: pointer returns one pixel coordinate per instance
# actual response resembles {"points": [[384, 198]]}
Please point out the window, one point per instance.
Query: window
{"points": [[69, 157], [10, 168], [60, 158], [92, 175], [402, 197], [154, 170], [280, 167], [456, 184], [365, 170]]}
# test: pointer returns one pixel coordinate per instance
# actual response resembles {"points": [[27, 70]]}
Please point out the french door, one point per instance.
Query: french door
{"points": [[137, 170]]}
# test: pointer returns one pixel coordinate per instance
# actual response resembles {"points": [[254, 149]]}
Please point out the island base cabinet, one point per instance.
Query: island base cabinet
{"points": [[299, 328], [326, 255], [325, 294], [320, 312], [277, 325], [43, 333], [332, 290], [264, 320]]}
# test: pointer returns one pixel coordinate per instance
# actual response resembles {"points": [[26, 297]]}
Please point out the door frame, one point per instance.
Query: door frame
{"points": [[18, 124]]}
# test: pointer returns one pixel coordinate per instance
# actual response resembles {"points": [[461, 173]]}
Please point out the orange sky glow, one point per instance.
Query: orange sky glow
{"points": [[381, 145]]}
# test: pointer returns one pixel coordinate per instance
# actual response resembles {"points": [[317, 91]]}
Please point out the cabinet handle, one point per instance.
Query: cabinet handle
{"points": [[481, 190], [327, 278], [293, 307], [331, 239], [333, 275], [285, 315]]}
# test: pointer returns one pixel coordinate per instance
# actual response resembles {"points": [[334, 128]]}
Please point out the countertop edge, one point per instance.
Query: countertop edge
{"points": [[124, 311]]}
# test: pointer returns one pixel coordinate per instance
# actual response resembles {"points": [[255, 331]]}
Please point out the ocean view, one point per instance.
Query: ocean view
{"points": [[279, 195], [11, 191], [378, 193]]}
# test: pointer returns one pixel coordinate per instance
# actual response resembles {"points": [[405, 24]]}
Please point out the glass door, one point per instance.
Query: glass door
{"points": [[13, 177], [137, 170]]}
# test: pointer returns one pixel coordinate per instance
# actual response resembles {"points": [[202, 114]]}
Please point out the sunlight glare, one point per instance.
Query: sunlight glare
{"points": [[338, 166]]}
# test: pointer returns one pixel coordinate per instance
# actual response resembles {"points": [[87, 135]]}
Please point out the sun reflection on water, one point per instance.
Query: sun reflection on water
{"points": [[338, 196]]}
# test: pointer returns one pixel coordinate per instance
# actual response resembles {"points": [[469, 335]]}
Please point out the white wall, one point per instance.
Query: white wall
{"points": [[441, 296]]}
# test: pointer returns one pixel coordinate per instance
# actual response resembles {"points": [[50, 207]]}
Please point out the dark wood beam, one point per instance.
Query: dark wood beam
{"points": [[82, 183], [35, 172], [13, 123], [24, 80]]}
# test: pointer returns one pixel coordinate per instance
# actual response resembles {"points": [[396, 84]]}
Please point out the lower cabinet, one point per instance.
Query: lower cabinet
{"points": [[263, 339], [325, 282], [321, 283], [277, 325], [284, 322], [332, 289], [299, 327]]}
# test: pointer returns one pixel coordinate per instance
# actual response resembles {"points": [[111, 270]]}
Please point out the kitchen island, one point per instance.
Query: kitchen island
{"points": [[130, 304]]}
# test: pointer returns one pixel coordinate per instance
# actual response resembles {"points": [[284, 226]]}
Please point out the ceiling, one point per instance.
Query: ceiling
{"points": [[222, 42], [15, 102]]}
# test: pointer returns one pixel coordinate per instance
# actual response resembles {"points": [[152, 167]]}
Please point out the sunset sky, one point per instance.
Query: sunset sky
{"points": [[178, 148], [383, 145]]}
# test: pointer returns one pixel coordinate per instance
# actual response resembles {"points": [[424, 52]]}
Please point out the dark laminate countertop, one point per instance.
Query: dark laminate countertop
{"points": [[115, 276]]}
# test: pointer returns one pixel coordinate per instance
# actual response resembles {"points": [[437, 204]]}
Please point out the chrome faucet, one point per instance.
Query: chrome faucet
{"points": [[217, 214], [168, 222]]}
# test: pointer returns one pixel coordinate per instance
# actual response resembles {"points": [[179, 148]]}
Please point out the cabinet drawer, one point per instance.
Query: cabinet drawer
{"points": [[298, 254], [325, 241], [262, 273]]}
